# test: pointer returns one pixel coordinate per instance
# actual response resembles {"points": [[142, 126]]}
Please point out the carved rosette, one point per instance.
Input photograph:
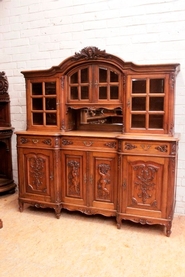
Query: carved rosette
{"points": [[104, 182], [3, 83], [90, 52], [73, 178]]}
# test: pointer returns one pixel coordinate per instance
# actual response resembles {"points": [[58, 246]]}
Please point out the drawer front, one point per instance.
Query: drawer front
{"points": [[87, 143], [38, 141], [147, 147]]}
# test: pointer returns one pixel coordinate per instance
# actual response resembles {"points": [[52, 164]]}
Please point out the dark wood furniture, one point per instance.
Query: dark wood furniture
{"points": [[100, 139], [6, 176]]}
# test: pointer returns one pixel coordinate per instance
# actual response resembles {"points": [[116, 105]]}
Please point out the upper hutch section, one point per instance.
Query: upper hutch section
{"points": [[94, 90]]}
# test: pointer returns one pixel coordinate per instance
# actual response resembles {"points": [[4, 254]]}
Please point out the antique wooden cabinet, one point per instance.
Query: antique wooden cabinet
{"points": [[100, 139], [6, 176]]}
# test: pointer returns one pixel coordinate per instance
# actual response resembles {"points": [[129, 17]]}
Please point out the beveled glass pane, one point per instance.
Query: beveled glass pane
{"points": [[37, 104], [50, 103], [51, 119], [37, 118], [113, 92], [138, 103], [74, 78], [102, 92], [156, 121], [138, 121], [138, 86], [102, 75], [113, 76], [50, 88], [156, 104], [74, 93], [36, 88], [156, 85], [84, 92], [84, 75]]}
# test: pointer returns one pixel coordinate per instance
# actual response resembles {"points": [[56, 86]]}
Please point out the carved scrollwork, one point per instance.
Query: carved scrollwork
{"points": [[142, 221], [23, 140], [3, 83], [66, 142], [174, 148], [90, 52], [129, 146], [162, 148], [111, 144], [47, 141]]}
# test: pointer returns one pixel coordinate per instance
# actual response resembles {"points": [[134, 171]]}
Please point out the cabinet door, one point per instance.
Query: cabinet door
{"points": [[74, 177], [147, 104], [36, 174], [103, 180], [144, 186], [42, 103], [94, 84]]}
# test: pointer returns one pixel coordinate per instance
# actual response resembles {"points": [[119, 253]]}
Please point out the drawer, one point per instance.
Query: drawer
{"points": [[147, 147], [38, 141], [87, 143]]}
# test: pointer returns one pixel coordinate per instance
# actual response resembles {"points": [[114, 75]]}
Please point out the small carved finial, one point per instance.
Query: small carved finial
{"points": [[90, 52], [3, 83]]}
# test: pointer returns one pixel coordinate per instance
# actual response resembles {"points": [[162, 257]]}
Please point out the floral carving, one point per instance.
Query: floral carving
{"points": [[36, 171], [145, 175]]}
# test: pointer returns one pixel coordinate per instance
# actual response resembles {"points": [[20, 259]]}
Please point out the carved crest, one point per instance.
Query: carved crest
{"points": [[90, 52], [3, 83]]}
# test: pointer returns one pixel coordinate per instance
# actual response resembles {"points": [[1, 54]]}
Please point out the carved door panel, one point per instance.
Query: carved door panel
{"points": [[36, 174], [74, 177], [144, 186], [103, 180]]}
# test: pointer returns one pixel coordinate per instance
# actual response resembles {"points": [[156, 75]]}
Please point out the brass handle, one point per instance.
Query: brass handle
{"points": [[88, 143], [35, 141]]}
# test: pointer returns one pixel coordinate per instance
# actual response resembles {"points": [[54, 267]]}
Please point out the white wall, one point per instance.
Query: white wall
{"points": [[37, 34]]}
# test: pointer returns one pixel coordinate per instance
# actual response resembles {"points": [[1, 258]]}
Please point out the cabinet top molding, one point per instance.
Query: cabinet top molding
{"points": [[92, 55]]}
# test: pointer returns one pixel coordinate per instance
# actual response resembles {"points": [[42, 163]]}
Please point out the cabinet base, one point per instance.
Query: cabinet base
{"points": [[56, 207], [150, 221], [7, 185]]}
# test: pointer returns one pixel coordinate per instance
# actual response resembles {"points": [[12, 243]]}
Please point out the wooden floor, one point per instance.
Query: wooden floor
{"points": [[35, 243]]}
